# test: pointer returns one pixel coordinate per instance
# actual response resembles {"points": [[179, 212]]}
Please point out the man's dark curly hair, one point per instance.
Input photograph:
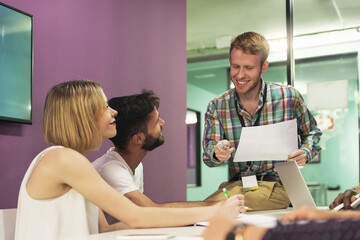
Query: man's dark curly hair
{"points": [[133, 115]]}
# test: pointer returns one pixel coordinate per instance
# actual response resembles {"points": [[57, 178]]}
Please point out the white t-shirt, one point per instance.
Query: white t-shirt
{"points": [[115, 171], [67, 216]]}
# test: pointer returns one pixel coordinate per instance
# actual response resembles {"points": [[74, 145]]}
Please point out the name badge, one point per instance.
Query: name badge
{"points": [[249, 180]]}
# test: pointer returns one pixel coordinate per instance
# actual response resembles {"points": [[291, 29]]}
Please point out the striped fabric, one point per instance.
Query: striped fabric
{"points": [[282, 103]]}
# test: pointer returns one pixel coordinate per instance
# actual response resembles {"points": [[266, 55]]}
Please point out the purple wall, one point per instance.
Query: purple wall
{"points": [[125, 45]]}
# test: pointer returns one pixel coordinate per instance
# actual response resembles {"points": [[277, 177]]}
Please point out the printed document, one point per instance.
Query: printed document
{"points": [[268, 142]]}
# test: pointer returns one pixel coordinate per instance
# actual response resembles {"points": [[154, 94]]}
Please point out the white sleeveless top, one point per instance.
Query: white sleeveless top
{"points": [[67, 216]]}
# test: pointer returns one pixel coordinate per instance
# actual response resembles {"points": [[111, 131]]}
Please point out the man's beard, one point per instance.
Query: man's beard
{"points": [[151, 142]]}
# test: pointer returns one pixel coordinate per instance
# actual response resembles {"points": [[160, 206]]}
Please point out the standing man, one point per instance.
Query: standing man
{"points": [[139, 130], [254, 102]]}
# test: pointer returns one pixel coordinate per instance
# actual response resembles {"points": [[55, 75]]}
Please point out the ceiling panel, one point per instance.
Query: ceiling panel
{"points": [[209, 20]]}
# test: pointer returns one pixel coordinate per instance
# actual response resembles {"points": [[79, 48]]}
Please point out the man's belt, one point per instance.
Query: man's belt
{"points": [[269, 178]]}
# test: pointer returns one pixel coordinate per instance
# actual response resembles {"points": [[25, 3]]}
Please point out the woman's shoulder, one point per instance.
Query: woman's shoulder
{"points": [[60, 152], [62, 155]]}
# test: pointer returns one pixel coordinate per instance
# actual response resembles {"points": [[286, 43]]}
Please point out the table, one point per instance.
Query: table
{"points": [[278, 213], [181, 233]]}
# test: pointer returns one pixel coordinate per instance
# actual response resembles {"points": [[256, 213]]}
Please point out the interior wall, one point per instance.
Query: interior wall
{"points": [[126, 46], [211, 83], [198, 99]]}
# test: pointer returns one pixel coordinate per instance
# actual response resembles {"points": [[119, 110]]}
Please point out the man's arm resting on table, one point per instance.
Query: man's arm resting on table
{"points": [[141, 199]]}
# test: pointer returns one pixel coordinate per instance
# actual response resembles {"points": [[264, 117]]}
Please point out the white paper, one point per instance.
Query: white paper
{"points": [[145, 236], [253, 219], [258, 220], [204, 224], [249, 182], [268, 142]]}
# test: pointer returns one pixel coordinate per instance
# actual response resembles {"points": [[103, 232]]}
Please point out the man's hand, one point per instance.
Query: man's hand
{"points": [[299, 156], [356, 189], [223, 150], [346, 198]]}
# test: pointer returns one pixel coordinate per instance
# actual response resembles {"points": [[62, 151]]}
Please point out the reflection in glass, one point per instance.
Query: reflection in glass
{"points": [[193, 148]]}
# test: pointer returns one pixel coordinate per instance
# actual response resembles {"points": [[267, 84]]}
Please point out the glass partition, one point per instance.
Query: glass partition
{"points": [[337, 116]]}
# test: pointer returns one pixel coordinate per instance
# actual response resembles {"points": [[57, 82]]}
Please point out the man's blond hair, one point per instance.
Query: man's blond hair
{"points": [[70, 114], [253, 43]]}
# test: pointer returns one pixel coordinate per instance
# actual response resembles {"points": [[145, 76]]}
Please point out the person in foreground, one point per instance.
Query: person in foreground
{"points": [[347, 197], [139, 130], [62, 195], [254, 102], [320, 224]]}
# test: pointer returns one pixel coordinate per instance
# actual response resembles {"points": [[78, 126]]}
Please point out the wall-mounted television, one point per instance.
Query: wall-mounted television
{"points": [[16, 64]]}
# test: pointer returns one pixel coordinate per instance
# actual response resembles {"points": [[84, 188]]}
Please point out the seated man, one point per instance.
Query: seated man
{"points": [[139, 130]]}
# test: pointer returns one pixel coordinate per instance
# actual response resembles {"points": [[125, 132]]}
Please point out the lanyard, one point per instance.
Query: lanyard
{"points": [[249, 163]]}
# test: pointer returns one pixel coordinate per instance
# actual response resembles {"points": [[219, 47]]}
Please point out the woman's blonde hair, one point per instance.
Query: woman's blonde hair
{"points": [[70, 114]]}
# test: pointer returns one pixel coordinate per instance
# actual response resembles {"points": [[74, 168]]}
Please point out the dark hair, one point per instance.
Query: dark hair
{"points": [[133, 115]]}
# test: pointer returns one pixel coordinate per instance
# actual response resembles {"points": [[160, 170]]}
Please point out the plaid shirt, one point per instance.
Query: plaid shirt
{"points": [[282, 103]]}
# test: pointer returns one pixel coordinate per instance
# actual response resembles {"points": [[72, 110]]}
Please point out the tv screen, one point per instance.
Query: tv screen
{"points": [[16, 65]]}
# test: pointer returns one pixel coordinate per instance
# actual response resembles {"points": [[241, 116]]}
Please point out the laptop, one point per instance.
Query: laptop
{"points": [[294, 184]]}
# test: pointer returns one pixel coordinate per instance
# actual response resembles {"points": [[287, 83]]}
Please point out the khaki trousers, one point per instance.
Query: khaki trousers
{"points": [[269, 195]]}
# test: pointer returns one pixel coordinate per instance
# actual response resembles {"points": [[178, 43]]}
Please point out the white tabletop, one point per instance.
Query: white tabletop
{"points": [[278, 213], [180, 233]]}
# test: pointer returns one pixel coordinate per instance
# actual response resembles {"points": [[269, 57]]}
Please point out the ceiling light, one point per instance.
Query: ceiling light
{"points": [[223, 41], [191, 117], [209, 75], [317, 39]]}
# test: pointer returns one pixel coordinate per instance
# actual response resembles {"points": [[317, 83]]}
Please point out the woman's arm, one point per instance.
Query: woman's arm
{"points": [[77, 172], [105, 227]]}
